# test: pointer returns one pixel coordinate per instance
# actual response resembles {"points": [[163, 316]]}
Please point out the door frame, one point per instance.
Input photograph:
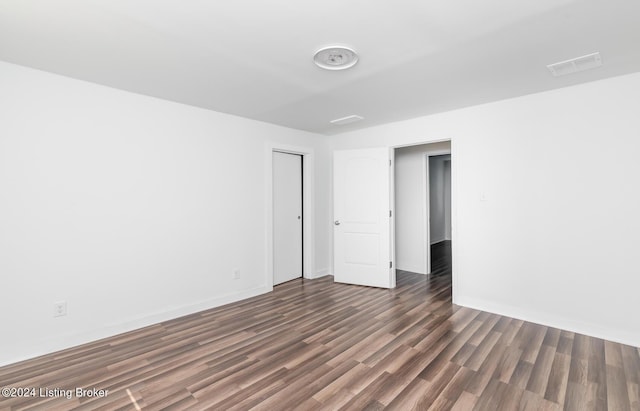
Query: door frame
{"points": [[455, 161], [308, 208], [426, 206]]}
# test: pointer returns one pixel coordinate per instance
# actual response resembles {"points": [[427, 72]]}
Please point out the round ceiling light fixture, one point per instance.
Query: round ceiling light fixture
{"points": [[335, 58]]}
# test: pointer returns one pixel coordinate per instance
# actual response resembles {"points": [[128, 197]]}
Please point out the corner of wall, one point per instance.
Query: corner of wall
{"points": [[320, 273], [554, 321]]}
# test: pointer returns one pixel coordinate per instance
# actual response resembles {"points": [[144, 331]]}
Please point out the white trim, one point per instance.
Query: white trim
{"points": [[74, 339], [426, 212], [454, 220], [308, 210], [425, 195], [392, 217]]}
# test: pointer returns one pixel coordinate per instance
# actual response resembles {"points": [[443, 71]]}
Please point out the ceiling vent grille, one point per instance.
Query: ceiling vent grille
{"points": [[346, 120], [588, 62]]}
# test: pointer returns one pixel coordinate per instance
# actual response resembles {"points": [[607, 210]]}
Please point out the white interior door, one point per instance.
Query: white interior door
{"points": [[287, 217], [362, 226]]}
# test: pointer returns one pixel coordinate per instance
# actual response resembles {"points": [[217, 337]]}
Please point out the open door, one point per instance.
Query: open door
{"points": [[362, 213]]}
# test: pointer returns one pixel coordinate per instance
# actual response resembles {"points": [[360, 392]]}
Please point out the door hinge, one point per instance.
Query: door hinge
{"points": [[389, 213], [390, 264], [389, 163]]}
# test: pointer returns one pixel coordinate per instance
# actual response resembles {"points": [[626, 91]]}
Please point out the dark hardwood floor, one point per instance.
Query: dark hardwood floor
{"points": [[441, 258], [314, 344]]}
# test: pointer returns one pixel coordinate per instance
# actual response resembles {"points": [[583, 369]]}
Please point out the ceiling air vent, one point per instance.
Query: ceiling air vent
{"points": [[346, 120], [575, 65]]}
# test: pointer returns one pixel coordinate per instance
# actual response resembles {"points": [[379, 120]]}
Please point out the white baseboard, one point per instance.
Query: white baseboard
{"points": [[549, 320], [71, 340]]}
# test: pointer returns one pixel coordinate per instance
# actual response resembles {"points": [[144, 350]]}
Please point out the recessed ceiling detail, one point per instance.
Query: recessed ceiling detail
{"points": [[335, 58], [346, 120], [582, 63]]}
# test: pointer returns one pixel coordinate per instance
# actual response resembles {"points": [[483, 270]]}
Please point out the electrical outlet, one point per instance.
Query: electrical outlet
{"points": [[236, 274], [59, 308]]}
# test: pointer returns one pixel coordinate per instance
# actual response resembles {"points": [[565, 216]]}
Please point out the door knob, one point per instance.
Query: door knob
{"points": [[298, 217], [337, 222]]}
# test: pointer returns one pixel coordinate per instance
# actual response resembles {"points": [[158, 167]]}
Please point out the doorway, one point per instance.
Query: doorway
{"points": [[381, 212], [287, 217], [414, 204]]}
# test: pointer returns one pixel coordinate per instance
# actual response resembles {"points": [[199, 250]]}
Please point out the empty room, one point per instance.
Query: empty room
{"points": [[409, 205]]}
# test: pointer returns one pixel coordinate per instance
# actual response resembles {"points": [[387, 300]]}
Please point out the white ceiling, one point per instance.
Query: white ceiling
{"points": [[254, 58]]}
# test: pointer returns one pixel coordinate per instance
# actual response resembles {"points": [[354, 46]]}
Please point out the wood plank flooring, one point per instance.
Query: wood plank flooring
{"points": [[316, 345]]}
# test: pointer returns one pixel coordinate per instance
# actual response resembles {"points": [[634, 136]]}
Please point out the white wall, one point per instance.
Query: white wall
{"points": [[410, 205], [447, 199], [437, 202], [556, 240], [132, 209]]}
